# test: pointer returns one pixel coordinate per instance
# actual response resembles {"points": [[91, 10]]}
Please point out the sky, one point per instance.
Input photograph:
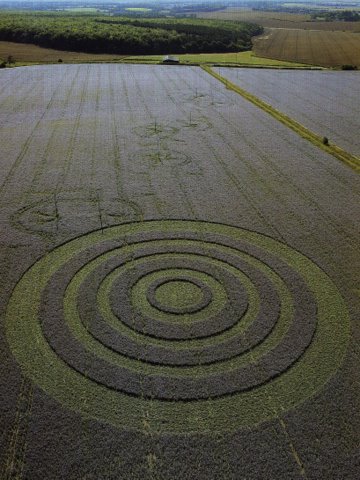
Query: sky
{"points": [[85, 2]]}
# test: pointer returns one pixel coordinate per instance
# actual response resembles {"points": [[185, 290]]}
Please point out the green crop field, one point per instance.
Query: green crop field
{"points": [[179, 276], [138, 9]]}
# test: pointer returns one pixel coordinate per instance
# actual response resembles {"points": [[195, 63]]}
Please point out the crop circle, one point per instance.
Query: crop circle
{"points": [[179, 295], [195, 326]]}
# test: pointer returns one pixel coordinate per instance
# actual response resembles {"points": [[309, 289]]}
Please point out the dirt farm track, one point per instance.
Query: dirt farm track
{"points": [[179, 276]]}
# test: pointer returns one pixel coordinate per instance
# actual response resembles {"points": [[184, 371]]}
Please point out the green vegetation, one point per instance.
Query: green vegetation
{"points": [[122, 35], [341, 15], [138, 9], [178, 294], [348, 67], [10, 60], [236, 58]]}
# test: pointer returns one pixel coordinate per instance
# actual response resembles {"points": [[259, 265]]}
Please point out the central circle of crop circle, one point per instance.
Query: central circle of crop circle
{"points": [[196, 316], [203, 326], [179, 295]]}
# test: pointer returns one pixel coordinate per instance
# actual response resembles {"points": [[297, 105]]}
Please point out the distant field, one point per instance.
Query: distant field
{"points": [[295, 38], [320, 6], [279, 19], [82, 9], [327, 102], [328, 49], [27, 53], [262, 18], [138, 9]]}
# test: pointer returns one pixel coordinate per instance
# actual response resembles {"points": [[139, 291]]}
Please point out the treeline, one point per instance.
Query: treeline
{"points": [[128, 36], [341, 15]]}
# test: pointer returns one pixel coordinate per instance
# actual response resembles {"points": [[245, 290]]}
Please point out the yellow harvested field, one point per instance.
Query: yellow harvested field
{"points": [[279, 19], [328, 49], [24, 52]]}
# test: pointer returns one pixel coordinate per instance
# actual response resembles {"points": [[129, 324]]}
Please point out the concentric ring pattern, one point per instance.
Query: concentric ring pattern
{"points": [[193, 326]]}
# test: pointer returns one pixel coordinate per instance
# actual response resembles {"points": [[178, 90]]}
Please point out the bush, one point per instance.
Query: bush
{"points": [[2, 64], [348, 67]]}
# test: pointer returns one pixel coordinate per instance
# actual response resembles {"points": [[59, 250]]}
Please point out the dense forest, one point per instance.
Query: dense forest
{"points": [[122, 35]]}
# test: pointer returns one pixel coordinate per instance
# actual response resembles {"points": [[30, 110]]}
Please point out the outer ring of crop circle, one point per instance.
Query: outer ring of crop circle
{"points": [[318, 364]]}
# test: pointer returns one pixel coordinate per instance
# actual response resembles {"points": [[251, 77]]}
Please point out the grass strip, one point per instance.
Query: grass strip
{"points": [[232, 59], [314, 138]]}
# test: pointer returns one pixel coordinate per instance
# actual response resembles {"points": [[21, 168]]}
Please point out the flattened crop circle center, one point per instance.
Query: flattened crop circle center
{"points": [[179, 293], [194, 297]]}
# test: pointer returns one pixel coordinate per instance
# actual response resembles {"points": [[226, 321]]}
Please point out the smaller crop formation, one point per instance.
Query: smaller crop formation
{"points": [[122, 35]]}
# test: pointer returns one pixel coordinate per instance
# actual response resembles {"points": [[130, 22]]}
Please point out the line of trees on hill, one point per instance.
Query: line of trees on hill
{"points": [[341, 15], [128, 36]]}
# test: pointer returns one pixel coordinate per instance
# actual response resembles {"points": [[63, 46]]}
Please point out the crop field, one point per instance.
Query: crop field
{"points": [[279, 19], [328, 49], [26, 53], [326, 102], [179, 287], [296, 38]]}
